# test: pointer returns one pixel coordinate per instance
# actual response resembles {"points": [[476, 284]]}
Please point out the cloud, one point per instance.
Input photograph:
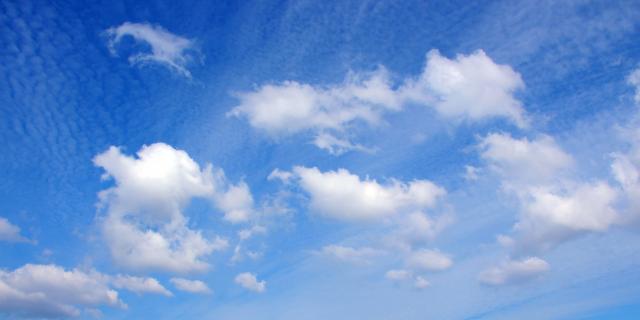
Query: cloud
{"points": [[10, 232], [342, 195], [626, 171], [428, 260], [421, 283], [514, 272], [470, 88], [250, 282], [139, 285], [523, 160], [192, 286], [350, 254], [634, 80], [50, 291], [398, 275], [555, 206], [166, 48], [144, 226]]}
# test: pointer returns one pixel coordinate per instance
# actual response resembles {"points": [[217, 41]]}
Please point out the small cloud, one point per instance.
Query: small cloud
{"points": [[10, 232], [398, 275], [429, 260], [167, 49], [421, 283], [350, 254], [139, 285], [193, 286], [250, 282], [513, 272]]}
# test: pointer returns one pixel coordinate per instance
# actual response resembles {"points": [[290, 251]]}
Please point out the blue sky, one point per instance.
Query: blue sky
{"points": [[320, 160]]}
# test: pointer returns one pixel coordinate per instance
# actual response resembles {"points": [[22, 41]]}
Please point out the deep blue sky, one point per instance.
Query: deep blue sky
{"points": [[66, 98]]}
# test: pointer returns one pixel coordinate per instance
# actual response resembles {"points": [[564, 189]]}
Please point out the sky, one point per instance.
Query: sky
{"points": [[319, 160]]}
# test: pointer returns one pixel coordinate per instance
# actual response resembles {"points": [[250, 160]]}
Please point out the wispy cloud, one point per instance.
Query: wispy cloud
{"points": [[165, 48]]}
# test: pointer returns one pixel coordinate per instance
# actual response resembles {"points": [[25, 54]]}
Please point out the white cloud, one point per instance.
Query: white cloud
{"points": [[398, 275], [350, 254], [50, 291], [250, 282], [193, 286], [144, 226], [139, 285], [342, 195], [470, 88], [167, 49], [554, 207], [10, 232], [634, 80], [626, 171], [428, 260], [523, 160], [421, 283], [513, 272]]}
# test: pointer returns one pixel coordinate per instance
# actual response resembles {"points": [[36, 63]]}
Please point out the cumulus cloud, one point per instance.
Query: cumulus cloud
{"points": [[429, 260], [10, 232], [470, 88], [164, 47], [250, 282], [554, 206], [402, 208], [50, 291], [192, 286], [342, 195], [514, 272], [144, 226], [350, 254], [524, 160], [139, 285]]}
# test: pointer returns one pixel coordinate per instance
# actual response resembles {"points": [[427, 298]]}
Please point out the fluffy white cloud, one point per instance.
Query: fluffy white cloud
{"points": [[144, 226], [167, 49], [523, 160], [470, 88], [139, 285], [428, 260], [250, 282], [554, 206], [10, 232], [350, 254], [342, 195], [193, 286], [292, 107], [513, 272], [50, 291]]}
